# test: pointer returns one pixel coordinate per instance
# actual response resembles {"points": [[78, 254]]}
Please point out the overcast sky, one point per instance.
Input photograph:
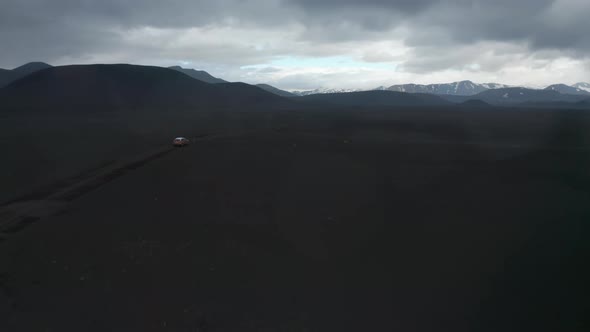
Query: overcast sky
{"points": [[306, 44]]}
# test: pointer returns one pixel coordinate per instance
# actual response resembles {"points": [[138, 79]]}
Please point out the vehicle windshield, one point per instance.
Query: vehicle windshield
{"points": [[294, 165]]}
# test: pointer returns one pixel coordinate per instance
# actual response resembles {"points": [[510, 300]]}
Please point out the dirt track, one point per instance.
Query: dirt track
{"points": [[20, 212]]}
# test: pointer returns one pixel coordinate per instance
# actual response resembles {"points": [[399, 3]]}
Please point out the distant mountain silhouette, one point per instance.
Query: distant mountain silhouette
{"points": [[566, 89], [375, 98], [117, 87], [199, 75], [276, 91], [9, 76]]}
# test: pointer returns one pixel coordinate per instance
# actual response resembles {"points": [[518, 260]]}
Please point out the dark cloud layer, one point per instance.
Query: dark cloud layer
{"points": [[80, 30]]}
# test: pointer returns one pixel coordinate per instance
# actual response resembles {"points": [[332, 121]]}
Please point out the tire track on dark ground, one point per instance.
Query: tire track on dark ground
{"points": [[100, 180], [21, 212], [47, 190]]}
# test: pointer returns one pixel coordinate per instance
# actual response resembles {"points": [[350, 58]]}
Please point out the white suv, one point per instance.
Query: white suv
{"points": [[180, 142]]}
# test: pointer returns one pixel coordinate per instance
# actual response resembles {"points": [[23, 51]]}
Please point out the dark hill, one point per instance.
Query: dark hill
{"points": [[247, 93], [514, 96], [375, 98], [9, 76], [276, 91], [31, 67], [199, 75], [112, 87], [475, 103], [457, 99]]}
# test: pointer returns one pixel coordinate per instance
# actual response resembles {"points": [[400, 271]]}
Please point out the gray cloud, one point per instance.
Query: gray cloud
{"points": [[440, 35], [405, 6], [540, 23]]}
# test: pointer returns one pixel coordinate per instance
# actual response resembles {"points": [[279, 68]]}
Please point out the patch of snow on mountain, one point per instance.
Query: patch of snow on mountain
{"points": [[324, 91], [583, 86], [492, 86]]}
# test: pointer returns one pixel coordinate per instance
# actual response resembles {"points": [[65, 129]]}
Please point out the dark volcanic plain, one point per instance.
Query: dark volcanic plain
{"points": [[342, 219]]}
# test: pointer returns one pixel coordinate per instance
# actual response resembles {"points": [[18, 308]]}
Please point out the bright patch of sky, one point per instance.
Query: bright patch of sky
{"points": [[328, 62]]}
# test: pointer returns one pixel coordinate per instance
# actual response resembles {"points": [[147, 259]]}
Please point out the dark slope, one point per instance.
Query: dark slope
{"points": [[514, 96], [457, 99], [246, 94], [31, 67], [375, 98], [112, 87], [276, 91], [4, 77], [556, 105], [475, 103], [9, 76], [199, 75]]}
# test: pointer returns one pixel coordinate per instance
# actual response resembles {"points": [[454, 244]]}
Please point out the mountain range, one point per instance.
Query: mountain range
{"points": [[109, 87], [463, 88], [468, 92]]}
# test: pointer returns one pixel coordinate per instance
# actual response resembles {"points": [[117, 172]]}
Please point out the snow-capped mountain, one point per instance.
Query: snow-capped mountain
{"points": [[323, 91], [582, 86], [463, 88], [460, 89], [566, 89]]}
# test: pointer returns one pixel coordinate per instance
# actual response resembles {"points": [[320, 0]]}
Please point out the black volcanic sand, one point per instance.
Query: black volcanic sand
{"points": [[359, 221], [40, 149]]}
